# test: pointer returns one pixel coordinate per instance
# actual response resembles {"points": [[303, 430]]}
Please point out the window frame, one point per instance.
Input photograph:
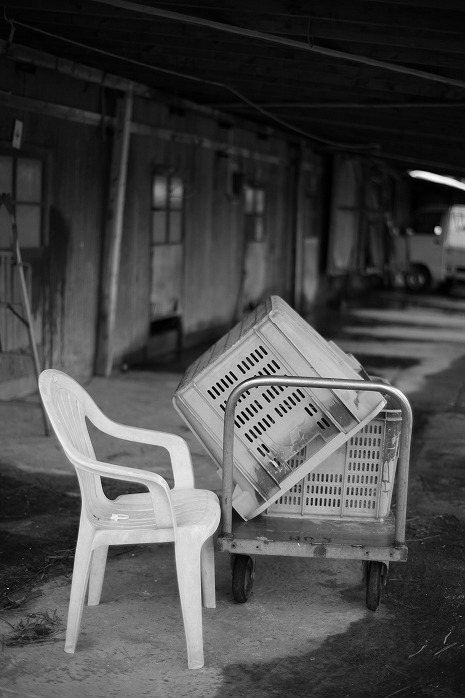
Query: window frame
{"points": [[255, 229], [170, 211], [22, 155]]}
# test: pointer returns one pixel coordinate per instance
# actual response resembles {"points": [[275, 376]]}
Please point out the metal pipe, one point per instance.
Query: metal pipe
{"points": [[332, 384]]}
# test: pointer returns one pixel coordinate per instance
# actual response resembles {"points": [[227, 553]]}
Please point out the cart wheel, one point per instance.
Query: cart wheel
{"points": [[242, 577], [375, 580]]}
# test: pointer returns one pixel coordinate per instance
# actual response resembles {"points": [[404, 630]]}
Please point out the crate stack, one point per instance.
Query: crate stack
{"points": [[284, 435]]}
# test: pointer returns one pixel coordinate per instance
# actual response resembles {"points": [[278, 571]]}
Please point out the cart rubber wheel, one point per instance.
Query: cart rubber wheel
{"points": [[243, 575], [375, 580]]}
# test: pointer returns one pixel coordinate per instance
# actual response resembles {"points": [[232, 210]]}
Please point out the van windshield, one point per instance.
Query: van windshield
{"points": [[456, 237], [428, 222]]}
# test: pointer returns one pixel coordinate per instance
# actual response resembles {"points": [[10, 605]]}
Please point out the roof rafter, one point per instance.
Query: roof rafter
{"points": [[331, 53]]}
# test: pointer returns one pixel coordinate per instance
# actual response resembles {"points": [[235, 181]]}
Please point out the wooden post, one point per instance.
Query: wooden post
{"points": [[113, 236]]}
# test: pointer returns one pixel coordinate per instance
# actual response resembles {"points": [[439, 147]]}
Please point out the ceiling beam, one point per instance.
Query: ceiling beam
{"points": [[308, 30], [230, 48], [86, 73], [447, 15], [95, 119], [420, 132], [297, 45], [343, 105]]}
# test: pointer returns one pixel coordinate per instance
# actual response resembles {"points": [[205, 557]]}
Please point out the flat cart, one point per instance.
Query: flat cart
{"points": [[374, 543]]}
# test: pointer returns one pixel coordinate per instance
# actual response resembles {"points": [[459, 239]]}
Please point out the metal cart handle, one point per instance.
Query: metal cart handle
{"points": [[333, 384]]}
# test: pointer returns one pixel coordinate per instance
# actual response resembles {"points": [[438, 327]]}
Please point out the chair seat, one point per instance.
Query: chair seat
{"points": [[195, 509], [133, 511]]}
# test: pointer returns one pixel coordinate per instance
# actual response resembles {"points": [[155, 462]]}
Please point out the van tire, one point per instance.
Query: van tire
{"points": [[418, 278]]}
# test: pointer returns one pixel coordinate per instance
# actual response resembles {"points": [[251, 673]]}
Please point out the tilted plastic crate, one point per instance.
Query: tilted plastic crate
{"points": [[273, 424], [356, 482]]}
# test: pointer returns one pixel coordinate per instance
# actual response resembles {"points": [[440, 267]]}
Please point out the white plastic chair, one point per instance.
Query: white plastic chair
{"points": [[186, 516]]}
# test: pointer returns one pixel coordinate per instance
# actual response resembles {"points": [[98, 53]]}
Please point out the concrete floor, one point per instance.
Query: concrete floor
{"points": [[305, 631]]}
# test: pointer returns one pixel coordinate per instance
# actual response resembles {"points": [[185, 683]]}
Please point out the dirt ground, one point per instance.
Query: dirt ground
{"points": [[414, 646]]}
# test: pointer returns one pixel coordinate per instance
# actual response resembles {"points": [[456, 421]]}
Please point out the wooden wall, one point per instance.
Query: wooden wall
{"points": [[66, 270], [214, 245], [76, 220], [205, 149]]}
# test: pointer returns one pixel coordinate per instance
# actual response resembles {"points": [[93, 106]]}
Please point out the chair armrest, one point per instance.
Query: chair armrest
{"points": [[163, 509], [176, 446]]}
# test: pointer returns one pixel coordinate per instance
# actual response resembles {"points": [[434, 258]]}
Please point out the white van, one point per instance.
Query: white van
{"points": [[432, 252]]}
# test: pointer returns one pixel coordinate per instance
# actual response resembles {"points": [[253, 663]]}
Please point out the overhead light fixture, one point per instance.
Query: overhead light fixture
{"points": [[437, 179]]}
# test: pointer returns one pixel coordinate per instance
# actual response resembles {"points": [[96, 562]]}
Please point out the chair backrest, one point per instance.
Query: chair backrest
{"points": [[67, 405]]}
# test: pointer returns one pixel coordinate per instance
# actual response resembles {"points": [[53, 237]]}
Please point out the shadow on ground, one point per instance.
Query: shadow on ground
{"points": [[415, 650]]}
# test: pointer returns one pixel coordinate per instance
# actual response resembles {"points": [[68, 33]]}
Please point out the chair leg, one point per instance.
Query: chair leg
{"points": [[82, 560], [207, 561], [97, 573], [187, 553]]}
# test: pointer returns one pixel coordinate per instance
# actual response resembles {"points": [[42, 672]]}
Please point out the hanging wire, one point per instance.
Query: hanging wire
{"points": [[12, 28], [265, 112]]}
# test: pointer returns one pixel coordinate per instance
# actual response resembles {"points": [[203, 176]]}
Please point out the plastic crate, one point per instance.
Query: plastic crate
{"points": [[356, 482], [273, 424]]}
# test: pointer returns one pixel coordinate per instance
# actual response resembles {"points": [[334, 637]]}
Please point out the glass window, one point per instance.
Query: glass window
{"points": [[160, 189], [5, 231], [175, 226], [29, 180], [254, 213], [22, 178], [249, 200], [176, 193], [6, 175], [158, 227], [167, 209], [28, 225]]}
